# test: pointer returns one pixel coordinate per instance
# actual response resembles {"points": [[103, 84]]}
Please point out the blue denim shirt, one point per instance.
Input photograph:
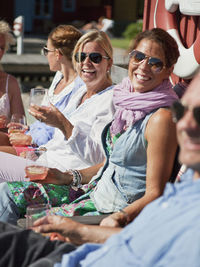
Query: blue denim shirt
{"points": [[124, 179]]}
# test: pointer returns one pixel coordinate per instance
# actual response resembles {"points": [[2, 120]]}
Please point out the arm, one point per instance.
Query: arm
{"points": [[16, 104], [55, 176], [162, 144], [53, 117], [74, 232]]}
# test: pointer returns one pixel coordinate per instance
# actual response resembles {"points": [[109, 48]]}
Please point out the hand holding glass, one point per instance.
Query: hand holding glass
{"points": [[36, 165], [34, 212], [39, 97], [3, 121], [17, 124]]}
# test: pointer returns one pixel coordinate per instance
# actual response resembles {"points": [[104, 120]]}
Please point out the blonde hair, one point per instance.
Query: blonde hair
{"points": [[64, 38], [6, 32], [94, 36]]}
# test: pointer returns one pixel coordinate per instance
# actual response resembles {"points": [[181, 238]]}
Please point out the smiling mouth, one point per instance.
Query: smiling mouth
{"points": [[142, 77], [88, 71]]}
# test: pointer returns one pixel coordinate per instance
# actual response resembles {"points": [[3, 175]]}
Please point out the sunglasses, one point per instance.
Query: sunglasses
{"points": [[178, 111], [94, 57], [138, 57], [45, 50]]}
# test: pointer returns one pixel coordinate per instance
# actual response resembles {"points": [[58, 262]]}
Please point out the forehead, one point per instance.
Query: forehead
{"points": [[192, 94], [93, 47], [151, 48]]}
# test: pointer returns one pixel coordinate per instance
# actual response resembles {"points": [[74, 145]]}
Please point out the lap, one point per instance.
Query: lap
{"points": [[33, 248]]}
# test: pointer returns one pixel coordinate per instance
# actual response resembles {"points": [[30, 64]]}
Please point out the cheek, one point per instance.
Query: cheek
{"points": [[131, 70]]}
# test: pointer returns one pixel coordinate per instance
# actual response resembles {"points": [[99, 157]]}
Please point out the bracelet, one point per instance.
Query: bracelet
{"points": [[77, 178], [126, 216]]}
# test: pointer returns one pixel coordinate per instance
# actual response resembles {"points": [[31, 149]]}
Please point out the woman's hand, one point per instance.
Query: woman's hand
{"points": [[117, 219], [20, 139], [60, 228], [49, 115], [53, 117], [54, 176]]}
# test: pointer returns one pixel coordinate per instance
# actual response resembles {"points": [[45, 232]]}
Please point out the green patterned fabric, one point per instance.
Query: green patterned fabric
{"points": [[64, 200]]}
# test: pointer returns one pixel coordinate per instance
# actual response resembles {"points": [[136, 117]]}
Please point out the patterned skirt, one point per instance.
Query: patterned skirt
{"points": [[64, 200]]}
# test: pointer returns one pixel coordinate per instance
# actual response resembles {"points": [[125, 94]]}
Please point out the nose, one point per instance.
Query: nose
{"points": [[144, 63], [187, 122], [86, 60]]}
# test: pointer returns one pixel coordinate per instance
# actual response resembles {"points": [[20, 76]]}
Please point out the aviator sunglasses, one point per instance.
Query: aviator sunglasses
{"points": [[178, 111], [94, 57], [138, 57]]}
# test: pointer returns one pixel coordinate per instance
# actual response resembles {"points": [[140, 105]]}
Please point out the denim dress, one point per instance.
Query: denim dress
{"points": [[123, 177]]}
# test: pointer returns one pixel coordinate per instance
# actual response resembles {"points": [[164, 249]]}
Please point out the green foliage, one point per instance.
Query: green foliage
{"points": [[120, 43], [132, 30]]}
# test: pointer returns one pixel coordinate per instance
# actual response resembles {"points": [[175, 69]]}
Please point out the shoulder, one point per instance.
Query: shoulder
{"points": [[161, 116], [160, 123], [13, 84]]}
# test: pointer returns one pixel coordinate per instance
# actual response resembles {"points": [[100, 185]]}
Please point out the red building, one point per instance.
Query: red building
{"points": [[41, 15]]}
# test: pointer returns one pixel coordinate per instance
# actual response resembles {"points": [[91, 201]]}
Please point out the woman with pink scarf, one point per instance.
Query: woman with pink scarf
{"points": [[140, 143]]}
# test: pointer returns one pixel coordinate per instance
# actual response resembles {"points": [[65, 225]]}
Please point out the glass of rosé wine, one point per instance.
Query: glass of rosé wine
{"points": [[17, 124], [3, 120], [36, 164]]}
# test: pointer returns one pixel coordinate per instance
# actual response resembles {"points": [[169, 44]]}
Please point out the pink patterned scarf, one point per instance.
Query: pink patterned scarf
{"points": [[132, 106]]}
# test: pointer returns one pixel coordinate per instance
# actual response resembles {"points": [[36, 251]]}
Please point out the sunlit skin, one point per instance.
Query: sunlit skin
{"points": [[188, 131], [93, 73], [51, 57], [141, 75]]}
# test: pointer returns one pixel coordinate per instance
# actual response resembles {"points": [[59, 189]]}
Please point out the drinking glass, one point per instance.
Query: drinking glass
{"points": [[39, 97], [3, 120], [34, 212], [36, 164], [17, 124]]}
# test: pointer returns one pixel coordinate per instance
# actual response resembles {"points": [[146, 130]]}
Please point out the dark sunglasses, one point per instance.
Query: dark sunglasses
{"points": [[94, 57], [45, 50], [178, 111], [138, 57]]}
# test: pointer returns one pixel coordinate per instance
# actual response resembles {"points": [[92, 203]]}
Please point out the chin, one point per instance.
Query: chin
{"points": [[189, 158]]}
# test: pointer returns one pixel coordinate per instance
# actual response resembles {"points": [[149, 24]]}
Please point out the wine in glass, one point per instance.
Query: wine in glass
{"points": [[17, 124], [36, 164]]}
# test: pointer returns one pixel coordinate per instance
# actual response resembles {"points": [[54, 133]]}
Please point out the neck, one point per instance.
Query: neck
{"points": [[92, 90], [68, 75]]}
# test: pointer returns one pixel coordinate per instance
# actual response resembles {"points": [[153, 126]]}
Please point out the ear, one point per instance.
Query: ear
{"points": [[110, 63], [169, 71], [58, 54]]}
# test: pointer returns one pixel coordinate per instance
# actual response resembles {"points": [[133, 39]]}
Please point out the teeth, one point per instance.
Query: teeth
{"points": [[89, 71], [140, 77]]}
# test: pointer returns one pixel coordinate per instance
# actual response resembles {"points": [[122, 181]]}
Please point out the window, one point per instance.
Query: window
{"points": [[43, 8], [68, 5]]}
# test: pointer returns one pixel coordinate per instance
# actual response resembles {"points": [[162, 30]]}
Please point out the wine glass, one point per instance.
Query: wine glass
{"points": [[36, 164], [17, 124], [39, 97], [34, 212], [3, 120]]}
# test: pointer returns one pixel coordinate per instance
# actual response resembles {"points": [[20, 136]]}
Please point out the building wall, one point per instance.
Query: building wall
{"points": [[125, 10]]}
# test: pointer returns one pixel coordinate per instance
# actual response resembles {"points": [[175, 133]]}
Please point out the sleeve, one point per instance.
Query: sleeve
{"points": [[40, 133], [85, 140]]}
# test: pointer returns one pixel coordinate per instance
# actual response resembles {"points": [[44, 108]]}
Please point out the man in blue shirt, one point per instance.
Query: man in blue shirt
{"points": [[166, 233]]}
